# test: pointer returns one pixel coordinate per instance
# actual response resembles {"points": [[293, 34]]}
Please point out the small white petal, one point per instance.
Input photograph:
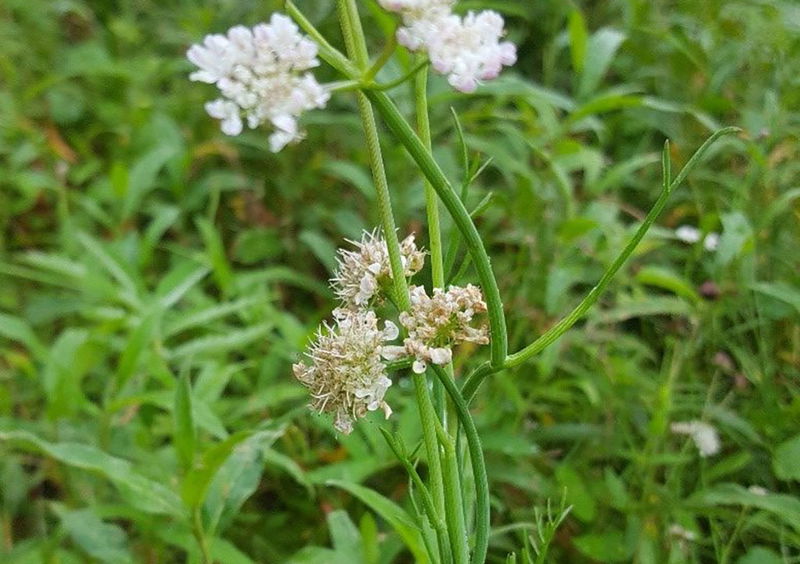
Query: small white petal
{"points": [[441, 356], [419, 366], [390, 331]]}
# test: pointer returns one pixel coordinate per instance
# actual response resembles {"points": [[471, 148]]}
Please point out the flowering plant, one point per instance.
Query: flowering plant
{"points": [[264, 76]]}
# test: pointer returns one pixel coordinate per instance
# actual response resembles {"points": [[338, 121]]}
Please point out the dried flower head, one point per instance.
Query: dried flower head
{"points": [[703, 435], [346, 376], [466, 49], [262, 75], [435, 324], [362, 272]]}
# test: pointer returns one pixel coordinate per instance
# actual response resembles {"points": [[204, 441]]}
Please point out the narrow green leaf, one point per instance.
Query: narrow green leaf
{"points": [[600, 51], [140, 492], [783, 507], [184, 435], [667, 280], [101, 541], [198, 479], [215, 254], [578, 38], [395, 515], [16, 329]]}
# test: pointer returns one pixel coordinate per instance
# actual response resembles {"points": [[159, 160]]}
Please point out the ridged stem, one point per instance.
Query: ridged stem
{"points": [[430, 168], [356, 47]]}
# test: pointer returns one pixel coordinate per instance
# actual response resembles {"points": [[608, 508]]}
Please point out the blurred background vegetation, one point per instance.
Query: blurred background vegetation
{"points": [[157, 276]]}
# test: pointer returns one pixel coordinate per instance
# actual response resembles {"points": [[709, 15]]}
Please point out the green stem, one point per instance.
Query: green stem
{"points": [[478, 465], [591, 298], [401, 129], [554, 333], [431, 202], [383, 58], [356, 47], [200, 535], [429, 421], [434, 516], [456, 524]]}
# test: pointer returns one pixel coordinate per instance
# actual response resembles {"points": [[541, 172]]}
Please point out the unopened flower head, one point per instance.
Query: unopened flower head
{"points": [[362, 272], [703, 435], [346, 375], [466, 49], [262, 75], [435, 324]]}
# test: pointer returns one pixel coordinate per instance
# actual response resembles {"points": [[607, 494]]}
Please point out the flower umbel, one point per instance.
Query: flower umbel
{"points": [[346, 376], [467, 50], [362, 272], [262, 75], [437, 323]]}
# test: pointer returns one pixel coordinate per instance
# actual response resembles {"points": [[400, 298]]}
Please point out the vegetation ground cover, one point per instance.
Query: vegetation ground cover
{"points": [[150, 265]]}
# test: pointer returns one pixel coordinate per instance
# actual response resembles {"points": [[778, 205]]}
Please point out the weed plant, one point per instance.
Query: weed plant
{"points": [[158, 279]]}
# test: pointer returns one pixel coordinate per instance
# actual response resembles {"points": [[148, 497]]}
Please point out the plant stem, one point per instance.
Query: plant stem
{"points": [[200, 535], [405, 134], [356, 46], [566, 323], [478, 465], [431, 202], [456, 523], [476, 378]]}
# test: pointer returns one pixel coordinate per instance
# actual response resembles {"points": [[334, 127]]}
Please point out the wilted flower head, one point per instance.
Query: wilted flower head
{"points": [[261, 73], [703, 435], [346, 376], [467, 50], [435, 324], [362, 272]]}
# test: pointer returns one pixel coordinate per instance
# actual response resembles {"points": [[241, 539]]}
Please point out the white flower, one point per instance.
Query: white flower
{"points": [[228, 112], [711, 242], [692, 235], [704, 435], [468, 50], [262, 75], [347, 376], [688, 234], [676, 530], [437, 323], [758, 490], [361, 273]]}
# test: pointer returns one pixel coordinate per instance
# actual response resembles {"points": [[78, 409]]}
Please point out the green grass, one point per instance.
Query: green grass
{"points": [[157, 280]]}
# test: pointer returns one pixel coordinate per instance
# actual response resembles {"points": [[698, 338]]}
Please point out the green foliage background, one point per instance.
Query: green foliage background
{"points": [[157, 280]]}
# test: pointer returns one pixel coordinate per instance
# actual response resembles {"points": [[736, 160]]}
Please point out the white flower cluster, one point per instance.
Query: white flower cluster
{"points": [[347, 376], [466, 49], [692, 235], [436, 323], [362, 272], [704, 435], [262, 75]]}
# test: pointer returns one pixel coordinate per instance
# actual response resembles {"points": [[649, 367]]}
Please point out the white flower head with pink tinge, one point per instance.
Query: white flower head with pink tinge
{"points": [[262, 74], [466, 49]]}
